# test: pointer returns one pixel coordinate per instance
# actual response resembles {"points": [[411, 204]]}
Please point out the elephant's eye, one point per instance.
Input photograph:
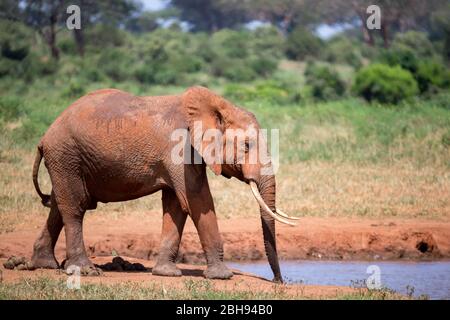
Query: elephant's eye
{"points": [[247, 146]]}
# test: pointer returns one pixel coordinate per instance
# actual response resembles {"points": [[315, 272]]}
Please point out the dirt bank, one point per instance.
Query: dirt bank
{"points": [[314, 238]]}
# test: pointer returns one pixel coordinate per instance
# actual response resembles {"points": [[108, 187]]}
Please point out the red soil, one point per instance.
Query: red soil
{"points": [[314, 238]]}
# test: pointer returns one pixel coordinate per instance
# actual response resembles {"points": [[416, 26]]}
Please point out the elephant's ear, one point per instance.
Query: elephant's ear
{"points": [[205, 110]]}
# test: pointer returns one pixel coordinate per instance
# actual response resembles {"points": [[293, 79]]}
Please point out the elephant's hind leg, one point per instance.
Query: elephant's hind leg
{"points": [[72, 202], [44, 247], [174, 219]]}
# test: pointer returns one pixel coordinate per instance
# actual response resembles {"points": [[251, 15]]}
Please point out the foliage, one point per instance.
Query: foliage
{"points": [[432, 75], [266, 92], [343, 50], [385, 84], [325, 83], [14, 40], [242, 56], [417, 42], [302, 43], [400, 56]]}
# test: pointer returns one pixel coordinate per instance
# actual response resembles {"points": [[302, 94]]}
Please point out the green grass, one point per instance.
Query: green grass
{"points": [[44, 288], [353, 131], [349, 130]]}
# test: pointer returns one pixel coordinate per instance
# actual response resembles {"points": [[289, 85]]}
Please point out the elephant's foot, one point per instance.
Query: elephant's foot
{"points": [[218, 271], [44, 262], [168, 269], [83, 266], [278, 279]]}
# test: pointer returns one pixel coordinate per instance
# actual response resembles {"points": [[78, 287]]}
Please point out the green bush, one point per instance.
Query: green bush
{"points": [[74, 89], [325, 83], [31, 67], [302, 43], [101, 36], [432, 75], [416, 41], [263, 66], [267, 41], [265, 91], [241, 55], [67, 46], [116, 63], [238, 71], [7, 66], [15, 40], [343, 50], [385, 84], [403, 57], [232, 44]]}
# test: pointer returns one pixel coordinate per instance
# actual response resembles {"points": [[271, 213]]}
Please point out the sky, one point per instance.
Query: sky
{"points": [[153, 5]]}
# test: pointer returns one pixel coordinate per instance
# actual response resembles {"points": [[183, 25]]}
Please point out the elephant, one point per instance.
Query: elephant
{"points": [[111, 146]]}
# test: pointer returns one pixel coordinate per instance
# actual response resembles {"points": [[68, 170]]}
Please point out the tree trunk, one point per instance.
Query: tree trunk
{"points": [[79, 40], [50, 39], [385, 35], [367, 35], [51, 35]]}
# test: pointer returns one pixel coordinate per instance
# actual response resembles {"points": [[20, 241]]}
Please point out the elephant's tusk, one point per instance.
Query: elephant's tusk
{"points": [[264, 206], [281, 213]]}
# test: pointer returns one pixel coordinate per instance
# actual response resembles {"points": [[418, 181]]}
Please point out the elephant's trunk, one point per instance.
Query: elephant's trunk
{"points": [[266, 186]]}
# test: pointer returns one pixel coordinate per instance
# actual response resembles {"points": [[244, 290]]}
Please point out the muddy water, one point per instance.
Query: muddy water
{"points": [[427, 278]]}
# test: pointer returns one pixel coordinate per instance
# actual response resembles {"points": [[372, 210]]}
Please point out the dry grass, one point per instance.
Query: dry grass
{"points": [[306, 189]]}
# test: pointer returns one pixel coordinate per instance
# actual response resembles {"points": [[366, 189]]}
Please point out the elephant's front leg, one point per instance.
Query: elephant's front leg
{"points": [[174, 219], [204, 217]]}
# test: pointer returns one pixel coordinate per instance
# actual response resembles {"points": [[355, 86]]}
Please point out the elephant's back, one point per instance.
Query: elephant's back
{"points": [[104, 104]]}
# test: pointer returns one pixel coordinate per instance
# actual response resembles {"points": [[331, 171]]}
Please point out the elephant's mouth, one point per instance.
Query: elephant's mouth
{"points": [[278, 215]]}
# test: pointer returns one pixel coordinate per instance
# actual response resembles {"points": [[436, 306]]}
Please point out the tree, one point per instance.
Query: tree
{"points": [[212, 15], [113, 12], [284, 14], [396, 15], [149, 20], [44, 16]]}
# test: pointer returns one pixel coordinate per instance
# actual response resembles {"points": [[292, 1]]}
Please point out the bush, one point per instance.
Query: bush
{"points": [[230, 43], [263, 66], [101, 36], [241, 55], [403, 57], [265, 91], [302, 43], [15, 40], [416, 41], [325, 83], [75, 89], [431, 76], [342, 50], [237, 71], [267, 41], [29, 68], [384, 84], [116, 64]]}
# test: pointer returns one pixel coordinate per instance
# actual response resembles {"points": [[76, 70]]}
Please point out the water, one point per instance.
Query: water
{"points": [[427, 278]]}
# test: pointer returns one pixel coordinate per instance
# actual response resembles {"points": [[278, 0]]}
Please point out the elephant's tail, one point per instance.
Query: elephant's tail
{"points": [[37, 161]]}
